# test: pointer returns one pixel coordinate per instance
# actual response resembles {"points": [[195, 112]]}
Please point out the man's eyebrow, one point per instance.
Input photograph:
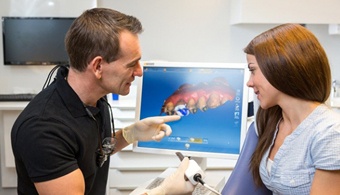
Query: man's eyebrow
{"points": [[134, 61]]}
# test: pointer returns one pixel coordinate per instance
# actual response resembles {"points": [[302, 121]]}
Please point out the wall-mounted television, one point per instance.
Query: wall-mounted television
{"points": [[35, 40], [212, 99]]}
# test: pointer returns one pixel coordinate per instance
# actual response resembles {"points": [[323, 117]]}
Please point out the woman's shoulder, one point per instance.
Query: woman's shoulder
{"points": [[325, 113], [323, 119]]}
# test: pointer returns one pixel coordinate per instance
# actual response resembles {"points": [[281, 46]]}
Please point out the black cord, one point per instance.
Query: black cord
{"points": [[113, 132], [49, 76], [198, 178]]}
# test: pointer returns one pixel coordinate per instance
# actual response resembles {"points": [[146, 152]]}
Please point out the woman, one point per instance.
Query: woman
{"points": [[299, 136]]}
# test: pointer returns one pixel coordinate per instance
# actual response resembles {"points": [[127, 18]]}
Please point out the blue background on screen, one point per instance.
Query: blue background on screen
{"points": [[217, 130]]}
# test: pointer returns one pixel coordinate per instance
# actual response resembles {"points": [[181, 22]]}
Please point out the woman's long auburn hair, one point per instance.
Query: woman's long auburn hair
{"points": [[293, 61]]}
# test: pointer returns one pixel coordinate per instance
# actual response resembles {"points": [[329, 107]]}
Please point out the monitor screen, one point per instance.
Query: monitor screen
{"points": [[35, 40], [212, 99]]}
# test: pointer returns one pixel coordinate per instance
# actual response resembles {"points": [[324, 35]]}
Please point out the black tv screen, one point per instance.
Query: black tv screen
{"points": [[35, 40]]}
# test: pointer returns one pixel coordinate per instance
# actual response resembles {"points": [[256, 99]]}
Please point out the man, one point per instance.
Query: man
{"points": [[58, 139]]}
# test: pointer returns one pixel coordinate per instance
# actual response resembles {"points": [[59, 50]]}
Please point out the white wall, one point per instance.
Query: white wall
{"points": [[200, 30]]}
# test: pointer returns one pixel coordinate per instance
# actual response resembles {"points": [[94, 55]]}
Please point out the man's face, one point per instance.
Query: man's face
{"points": [[119, 74]]}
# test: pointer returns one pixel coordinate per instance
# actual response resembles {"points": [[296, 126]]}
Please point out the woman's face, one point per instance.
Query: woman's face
{"points": [[265, 92]]}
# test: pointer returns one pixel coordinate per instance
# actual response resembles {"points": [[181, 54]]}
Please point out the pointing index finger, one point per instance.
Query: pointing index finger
{"points": [[170, 118]]}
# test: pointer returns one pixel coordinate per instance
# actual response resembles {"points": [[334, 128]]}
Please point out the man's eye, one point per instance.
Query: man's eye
{"points": [[133, 64]]}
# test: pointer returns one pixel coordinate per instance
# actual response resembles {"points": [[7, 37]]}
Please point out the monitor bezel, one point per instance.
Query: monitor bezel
{"points": [[200, 154]]}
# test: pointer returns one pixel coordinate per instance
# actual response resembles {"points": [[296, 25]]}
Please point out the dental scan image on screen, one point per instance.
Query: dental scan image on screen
{"points": [[211, 99]]}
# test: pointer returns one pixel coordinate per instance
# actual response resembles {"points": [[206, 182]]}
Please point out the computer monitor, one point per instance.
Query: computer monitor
{"points": [[212, 99], [35, 40]]}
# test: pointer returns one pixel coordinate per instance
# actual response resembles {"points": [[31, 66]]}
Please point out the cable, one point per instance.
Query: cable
{"points": [[49, 76], [198, 178]]}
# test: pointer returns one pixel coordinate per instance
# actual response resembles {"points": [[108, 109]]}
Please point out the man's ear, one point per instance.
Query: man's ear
{"points": [[96, 66]]}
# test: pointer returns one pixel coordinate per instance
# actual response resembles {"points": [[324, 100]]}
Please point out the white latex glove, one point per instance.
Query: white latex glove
{"points": [[175, 183], [151, 128]]}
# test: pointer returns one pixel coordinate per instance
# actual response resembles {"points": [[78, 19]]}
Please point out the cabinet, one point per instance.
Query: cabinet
{"points": [[276, 11], [9, 111]]}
